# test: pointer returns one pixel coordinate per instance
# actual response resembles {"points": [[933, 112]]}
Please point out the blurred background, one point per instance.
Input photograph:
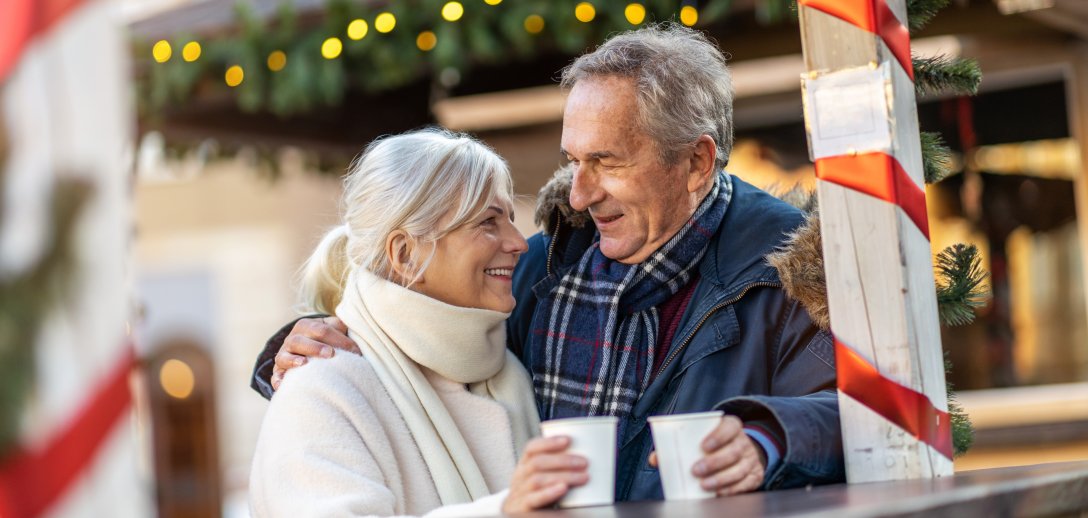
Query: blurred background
{"points": [[247, 113]]}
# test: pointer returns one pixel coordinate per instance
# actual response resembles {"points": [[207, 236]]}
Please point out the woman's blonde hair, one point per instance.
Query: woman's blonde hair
{"points": [[406, 182]]}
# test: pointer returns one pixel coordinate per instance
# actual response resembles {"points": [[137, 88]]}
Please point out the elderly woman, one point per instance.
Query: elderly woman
{"points": [[434, 413]]}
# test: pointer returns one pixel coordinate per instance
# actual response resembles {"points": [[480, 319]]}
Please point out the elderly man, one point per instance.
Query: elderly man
{"points": [[648, 293]]}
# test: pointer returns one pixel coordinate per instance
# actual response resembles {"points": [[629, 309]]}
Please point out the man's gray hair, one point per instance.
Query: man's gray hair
{"points": [[684, 88]]}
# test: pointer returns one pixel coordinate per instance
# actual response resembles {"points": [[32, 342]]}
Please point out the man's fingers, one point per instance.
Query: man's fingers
{"points": [[723, 458], [287, 361], [727, 477], [653, 459], [749, 482], [726, 431], [331, 331], [336, 323], [304, 346], [277, 378]]}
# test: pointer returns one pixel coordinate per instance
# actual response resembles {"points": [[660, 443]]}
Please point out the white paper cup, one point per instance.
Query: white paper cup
{"points": [[595, 439], [677, 440]]}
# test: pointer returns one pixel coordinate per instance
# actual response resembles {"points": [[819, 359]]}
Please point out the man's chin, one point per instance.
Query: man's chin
{"points": [[617, 250]]}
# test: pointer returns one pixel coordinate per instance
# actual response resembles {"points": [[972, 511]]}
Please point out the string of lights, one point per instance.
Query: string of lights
{"points": [[278, 66]]}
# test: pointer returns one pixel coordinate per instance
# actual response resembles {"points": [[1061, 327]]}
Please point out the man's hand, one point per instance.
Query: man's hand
{"points": [[309, 338], [544, 474], [734, 463]]}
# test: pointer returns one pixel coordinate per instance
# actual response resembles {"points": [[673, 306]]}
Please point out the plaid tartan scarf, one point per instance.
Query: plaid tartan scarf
{"points": [[596, 354]]}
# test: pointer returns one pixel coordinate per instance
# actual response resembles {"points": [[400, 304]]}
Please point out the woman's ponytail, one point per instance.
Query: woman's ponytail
{"points": [[325, 272]]}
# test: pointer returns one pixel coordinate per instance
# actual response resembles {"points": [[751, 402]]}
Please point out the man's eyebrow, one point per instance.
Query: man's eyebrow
{"points": [[593, 155]]}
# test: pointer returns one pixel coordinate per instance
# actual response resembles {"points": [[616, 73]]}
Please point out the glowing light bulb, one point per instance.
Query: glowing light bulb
{"points": [[689, 15], [385, 22], [426, 41], [162, 51], [585, 12], [332, 48], [635, 13], [357, 29], [534, 23], [277, 59], [234, 76], [452, 11], [191, 51]]}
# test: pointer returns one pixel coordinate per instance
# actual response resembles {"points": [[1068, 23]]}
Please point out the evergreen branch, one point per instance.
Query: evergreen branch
{"points": [[959, 288], [26, 299], [936, 157], [937, 74], [963, 432], [920, 12]]}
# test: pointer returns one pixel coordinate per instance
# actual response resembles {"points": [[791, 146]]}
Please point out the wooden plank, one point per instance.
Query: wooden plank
{"points": [[1059, 489], [1077, 86], [879, 270]]}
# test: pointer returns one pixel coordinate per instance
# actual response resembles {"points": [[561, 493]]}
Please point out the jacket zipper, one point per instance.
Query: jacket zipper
{"points": [[720, 305], [551, 245]]}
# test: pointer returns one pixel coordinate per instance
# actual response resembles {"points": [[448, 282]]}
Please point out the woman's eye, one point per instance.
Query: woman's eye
{"points": [[489, 221]]}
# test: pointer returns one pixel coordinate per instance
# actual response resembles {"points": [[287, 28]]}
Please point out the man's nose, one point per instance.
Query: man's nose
{"points": [[584, 189]]}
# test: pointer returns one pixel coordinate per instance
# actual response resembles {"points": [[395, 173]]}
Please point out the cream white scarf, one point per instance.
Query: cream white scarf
{"points": [[398, 330]]}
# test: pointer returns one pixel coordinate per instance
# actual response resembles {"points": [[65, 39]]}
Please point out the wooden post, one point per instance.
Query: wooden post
{"points": [[879, 266], [1077, 86]]}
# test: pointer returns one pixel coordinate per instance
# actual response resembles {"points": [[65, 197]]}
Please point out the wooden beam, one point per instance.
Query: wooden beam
{"points": [[1077, 88], [879, 266]]}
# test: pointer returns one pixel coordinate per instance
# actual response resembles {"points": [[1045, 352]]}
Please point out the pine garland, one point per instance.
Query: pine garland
{"points": [[484, 34], [958, 266], [936, 157], [963, 432], [27, 297], [959, 289], [937, 74], [921, 12]]}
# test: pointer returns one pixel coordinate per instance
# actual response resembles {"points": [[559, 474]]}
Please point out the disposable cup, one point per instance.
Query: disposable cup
{"points": [[595, 439], [678, 441]]}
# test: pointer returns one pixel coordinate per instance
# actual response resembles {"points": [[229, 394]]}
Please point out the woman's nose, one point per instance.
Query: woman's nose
{"points": [[515, 242]]}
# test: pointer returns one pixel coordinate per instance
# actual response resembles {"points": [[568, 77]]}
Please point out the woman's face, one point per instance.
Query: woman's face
{"points": [[473, 265]]}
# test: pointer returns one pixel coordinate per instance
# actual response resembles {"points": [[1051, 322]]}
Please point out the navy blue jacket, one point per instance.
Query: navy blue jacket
{"points": [[742, 346]]}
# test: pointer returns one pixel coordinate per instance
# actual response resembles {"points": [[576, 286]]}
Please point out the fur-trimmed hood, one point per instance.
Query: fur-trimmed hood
{"points": [[555, 197]]}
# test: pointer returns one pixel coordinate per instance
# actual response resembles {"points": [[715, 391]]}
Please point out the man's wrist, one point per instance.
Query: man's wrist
{"points": [[768, 446]]}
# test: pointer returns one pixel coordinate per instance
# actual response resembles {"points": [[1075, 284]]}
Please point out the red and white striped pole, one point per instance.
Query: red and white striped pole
{"points": [[861, 117], [65, 101]]}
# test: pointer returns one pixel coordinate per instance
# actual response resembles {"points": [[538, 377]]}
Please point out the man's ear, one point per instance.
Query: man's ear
{"points": [[399, 250], [701, 167]]}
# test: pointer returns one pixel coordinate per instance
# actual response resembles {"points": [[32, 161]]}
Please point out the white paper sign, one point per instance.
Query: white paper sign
{"points": [[847, 111]]}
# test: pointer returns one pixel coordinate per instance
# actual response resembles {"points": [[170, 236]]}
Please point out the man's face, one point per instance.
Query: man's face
{"points": [[636, 202]]}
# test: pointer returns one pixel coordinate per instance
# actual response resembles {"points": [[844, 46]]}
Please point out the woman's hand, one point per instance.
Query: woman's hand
{"points": [[544, 474], [309, 338]]}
